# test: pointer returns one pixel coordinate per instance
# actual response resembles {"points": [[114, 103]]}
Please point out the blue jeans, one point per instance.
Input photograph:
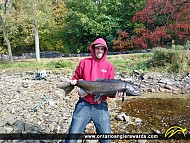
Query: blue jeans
{"points": [[85, 112]]}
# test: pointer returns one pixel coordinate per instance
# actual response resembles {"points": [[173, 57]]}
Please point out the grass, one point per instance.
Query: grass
{"points": [[122, 63], [174, 60], [31, 64], [127, 63], [130, 62]]}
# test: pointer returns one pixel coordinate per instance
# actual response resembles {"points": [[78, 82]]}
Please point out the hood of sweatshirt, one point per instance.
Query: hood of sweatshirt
{"points": [[92, 46]]}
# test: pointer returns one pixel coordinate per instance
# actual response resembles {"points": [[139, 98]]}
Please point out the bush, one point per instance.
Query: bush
{"points": [[174, 60], [62, 64], [187, 45]]}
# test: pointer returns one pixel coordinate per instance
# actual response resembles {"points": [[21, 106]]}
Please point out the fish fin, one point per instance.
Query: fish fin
{"points": [[106, 80], [122, 99], [66, 86], [82, 93], [100, 79], [98, 98]]}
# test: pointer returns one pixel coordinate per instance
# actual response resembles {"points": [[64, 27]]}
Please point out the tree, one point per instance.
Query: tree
{"points": [[88, 20], [22, 19], [39, 12], [37, 45], [51, 35], [3, 21], [165, 20], [126, 11], [123, 41], [29, 17]]}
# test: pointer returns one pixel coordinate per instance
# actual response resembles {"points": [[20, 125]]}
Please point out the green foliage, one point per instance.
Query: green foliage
{"points": [[187, 45], [127, 10], [19, 22], [87, 20], [173, 60], [128, 63], [70, 26], [62, 64], [51, 35]]}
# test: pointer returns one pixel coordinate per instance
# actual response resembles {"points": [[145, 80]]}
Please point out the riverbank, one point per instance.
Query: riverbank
{"points": [[38, 106]]}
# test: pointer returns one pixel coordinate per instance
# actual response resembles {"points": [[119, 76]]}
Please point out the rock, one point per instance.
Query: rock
{"points": [[155, 131], [138, 121], [19, 94], [18, 126], [25, 84], [120, 117], [2, 130], [141, 141], [151, 90], [146, 76], [10, 120], [2, 122], [137, 72], [124, 75], [123, 117], [172, 88], [8, 129], [162, 89]]}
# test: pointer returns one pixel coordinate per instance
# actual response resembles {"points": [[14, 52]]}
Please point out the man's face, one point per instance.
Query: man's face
{"points": [[99, 52]]}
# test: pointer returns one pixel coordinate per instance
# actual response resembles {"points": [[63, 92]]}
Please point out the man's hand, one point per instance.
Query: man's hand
{"points": [[73, 82], [120, 94]]}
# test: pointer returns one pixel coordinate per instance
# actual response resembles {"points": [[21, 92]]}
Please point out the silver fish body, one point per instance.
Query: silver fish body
{"points": [[104, 87]]}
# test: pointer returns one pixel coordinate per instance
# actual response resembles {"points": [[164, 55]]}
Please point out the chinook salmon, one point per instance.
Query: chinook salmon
{"points": [[102, 87]]}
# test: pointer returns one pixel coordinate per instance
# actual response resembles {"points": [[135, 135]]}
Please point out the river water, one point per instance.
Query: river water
{"points": [[158, 113]]}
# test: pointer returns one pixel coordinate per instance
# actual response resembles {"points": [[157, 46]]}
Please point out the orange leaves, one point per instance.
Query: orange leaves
{"points": [[123, 42], [123, 34], [139, 30]]}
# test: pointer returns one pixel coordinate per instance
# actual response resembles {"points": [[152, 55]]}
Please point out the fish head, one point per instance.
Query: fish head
{"points": [[132, 89]]}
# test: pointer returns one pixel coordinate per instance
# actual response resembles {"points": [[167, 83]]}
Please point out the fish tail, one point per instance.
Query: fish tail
{"points": [[66, 86], [82, 93]]}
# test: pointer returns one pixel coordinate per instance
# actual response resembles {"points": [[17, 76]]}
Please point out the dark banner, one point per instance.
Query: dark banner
{"points": [[46, 136]]}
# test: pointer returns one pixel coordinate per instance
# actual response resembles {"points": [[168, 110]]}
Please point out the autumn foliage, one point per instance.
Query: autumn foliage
{"points": [[164, 21], [123, 41]]}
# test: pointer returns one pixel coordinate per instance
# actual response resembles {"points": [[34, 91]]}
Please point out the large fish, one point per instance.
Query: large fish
{"points": [[102, 87]]}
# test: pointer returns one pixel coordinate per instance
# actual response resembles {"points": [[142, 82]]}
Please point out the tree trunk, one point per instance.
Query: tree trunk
{"points": [[6, 39], [37, 47]]}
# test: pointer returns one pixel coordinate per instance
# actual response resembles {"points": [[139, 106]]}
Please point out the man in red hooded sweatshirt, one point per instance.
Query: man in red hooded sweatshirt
{"points": [[86, 108]]}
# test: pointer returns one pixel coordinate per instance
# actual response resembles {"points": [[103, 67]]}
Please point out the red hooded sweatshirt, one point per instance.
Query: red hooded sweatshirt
{"points": [[91, 69]]}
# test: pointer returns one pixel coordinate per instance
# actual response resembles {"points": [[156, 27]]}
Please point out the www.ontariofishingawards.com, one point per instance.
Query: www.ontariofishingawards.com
{"points": [[121, 136]]}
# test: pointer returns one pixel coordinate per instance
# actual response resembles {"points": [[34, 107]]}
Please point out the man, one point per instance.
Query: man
{"points": [[86, 108]]}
